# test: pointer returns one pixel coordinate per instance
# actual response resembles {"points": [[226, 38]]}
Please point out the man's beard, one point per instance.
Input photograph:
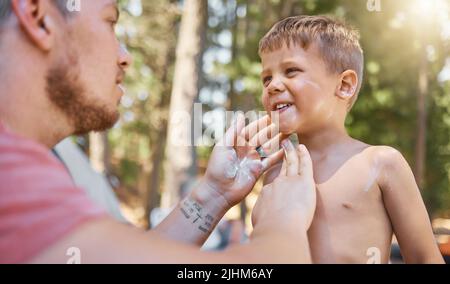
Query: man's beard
{"points": [[67, 93]]}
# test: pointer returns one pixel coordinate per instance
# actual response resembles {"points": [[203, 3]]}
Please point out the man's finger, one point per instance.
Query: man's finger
{"points": [[231, 136], [292, 162], [253, 128], [283, 166], [305, 166], [272, 159], [273, 145], [264, 136]]}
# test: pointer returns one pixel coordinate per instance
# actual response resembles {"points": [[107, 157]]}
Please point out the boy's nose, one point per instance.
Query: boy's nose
{"points": [[276, 86]]}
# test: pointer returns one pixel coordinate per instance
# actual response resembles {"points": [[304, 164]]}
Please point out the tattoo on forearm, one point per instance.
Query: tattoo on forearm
{"points": [[194, 212]]}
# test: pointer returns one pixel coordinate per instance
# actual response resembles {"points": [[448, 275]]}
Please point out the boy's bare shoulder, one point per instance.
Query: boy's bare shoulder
{"points": [[385, 157], [387, 160]]}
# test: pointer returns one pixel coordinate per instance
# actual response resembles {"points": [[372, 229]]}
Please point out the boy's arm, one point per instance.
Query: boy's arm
{"points": [[406, 209]]}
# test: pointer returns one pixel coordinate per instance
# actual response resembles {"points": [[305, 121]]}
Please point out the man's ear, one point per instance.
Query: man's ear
{"points": [[347, 85], [36, 21]]}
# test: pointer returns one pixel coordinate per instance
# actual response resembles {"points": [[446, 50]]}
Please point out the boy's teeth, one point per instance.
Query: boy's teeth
{"points": [[281, 106]]}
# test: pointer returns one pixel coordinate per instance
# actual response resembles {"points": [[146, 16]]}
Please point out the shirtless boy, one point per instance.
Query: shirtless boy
{"points": [[312, 73]]}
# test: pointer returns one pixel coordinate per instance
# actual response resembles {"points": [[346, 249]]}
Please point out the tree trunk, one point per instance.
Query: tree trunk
{"points": [[180, 153], [152, 198], [99, 151], [420, 152], [287, 8]]}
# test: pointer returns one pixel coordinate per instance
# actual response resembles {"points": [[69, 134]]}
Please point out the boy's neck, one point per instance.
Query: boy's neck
{"points": [[324, 141]]}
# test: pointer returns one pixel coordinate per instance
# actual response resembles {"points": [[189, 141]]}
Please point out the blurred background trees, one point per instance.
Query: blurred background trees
{"points": [[404, 103], [181, 166]]}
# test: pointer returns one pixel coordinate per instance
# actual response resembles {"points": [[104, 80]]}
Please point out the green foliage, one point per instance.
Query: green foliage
{"points": [[385, 113]]}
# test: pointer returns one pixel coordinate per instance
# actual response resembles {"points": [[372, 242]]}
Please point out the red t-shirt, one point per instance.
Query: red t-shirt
{"points": [[39, 203]]}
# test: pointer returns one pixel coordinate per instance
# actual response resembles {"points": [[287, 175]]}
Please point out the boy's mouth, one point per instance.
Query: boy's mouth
{"points": [[281, 107]]}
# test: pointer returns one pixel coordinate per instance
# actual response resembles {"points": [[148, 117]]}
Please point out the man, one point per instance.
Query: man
{"points": [[60, 75], [95, 184]]}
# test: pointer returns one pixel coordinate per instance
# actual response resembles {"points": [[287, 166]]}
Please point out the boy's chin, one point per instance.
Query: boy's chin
{"points": [[287, 124], [287, 129]]}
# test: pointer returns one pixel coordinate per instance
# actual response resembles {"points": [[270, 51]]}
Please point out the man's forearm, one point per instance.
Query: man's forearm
{"points": [[195, 217], [286, 243], [272, 244]]}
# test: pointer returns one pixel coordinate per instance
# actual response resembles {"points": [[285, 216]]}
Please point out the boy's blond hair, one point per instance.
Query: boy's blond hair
{"points": [[337, 42]]}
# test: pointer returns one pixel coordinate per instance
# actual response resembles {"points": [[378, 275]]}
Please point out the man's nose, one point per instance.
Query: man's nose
{"points": [[125, 58], [276, 86]]}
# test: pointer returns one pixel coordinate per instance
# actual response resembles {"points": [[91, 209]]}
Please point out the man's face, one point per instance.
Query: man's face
{"points": [[85, 79], [298, 87]]}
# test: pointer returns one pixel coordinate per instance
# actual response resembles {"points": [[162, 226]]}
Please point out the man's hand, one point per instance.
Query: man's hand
{"points": [[233, 170], [235, 164], [291, 198]]}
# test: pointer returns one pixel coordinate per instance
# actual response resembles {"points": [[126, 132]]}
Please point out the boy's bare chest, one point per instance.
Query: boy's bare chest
{"points": [[349, 188], [349, 207]]}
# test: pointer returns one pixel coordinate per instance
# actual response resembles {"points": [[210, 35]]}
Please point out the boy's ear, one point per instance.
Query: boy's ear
{"points": [[36, 20], [347, 85]]}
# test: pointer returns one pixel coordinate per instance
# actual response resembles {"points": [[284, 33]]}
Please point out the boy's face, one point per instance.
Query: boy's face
{"points": [[299, 88]]}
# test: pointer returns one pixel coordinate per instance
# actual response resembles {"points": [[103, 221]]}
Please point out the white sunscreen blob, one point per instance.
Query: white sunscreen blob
{"points": [[241, 169], [232, 168]]}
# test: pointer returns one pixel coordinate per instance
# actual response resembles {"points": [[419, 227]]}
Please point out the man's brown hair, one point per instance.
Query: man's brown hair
{"points": [[337, 42]]}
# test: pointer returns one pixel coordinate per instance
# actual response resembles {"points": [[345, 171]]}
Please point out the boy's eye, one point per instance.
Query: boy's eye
{"points": [[292, 71], [266, 80]]}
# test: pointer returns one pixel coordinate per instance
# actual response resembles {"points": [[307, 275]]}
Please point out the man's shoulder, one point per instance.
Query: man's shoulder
{"points": [[23, 161], [12, 143]]}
